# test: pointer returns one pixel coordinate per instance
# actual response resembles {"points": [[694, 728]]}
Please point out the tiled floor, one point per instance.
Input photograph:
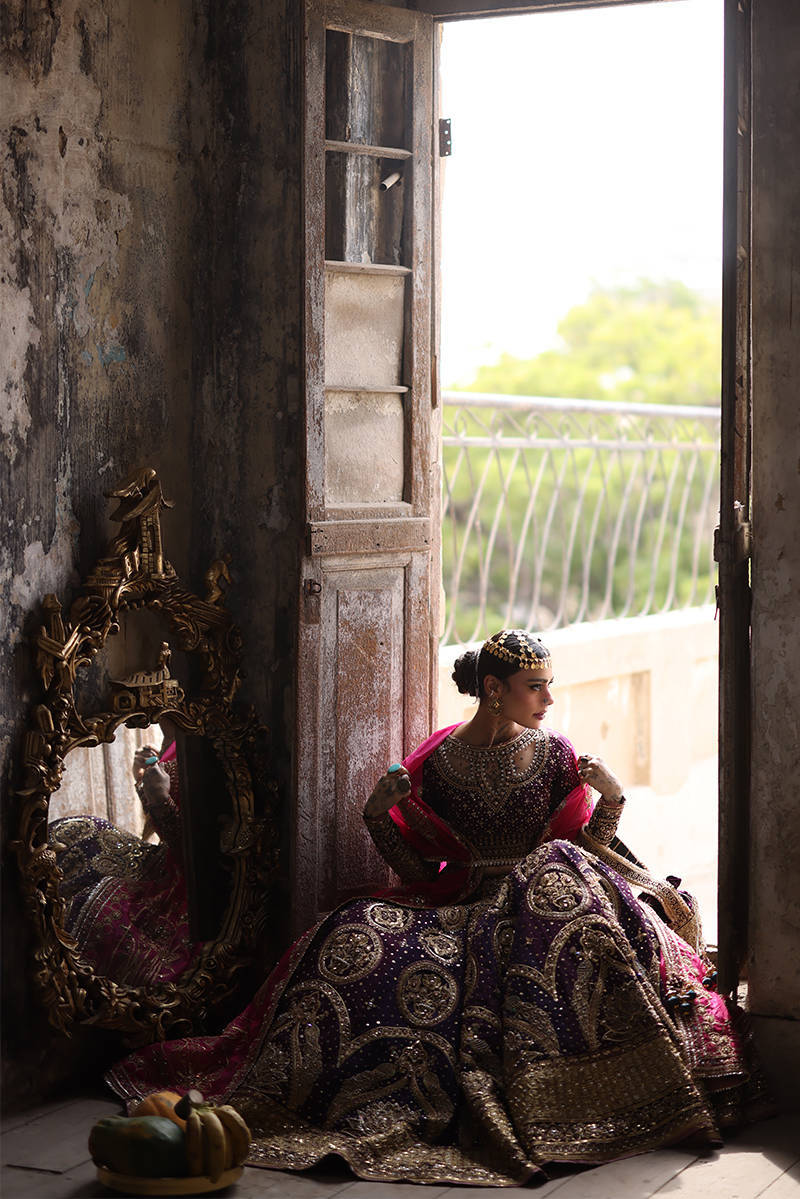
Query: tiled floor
{"points": [[44, 1156]]}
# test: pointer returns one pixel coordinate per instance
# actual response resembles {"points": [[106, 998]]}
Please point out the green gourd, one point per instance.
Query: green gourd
{"points": [[142, 1146]]}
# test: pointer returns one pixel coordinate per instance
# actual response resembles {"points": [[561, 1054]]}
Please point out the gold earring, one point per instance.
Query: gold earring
{"points": [[495, 704]]}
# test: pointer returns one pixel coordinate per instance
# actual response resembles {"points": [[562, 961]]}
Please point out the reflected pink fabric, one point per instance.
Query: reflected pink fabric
{"points": [[132, 925]]}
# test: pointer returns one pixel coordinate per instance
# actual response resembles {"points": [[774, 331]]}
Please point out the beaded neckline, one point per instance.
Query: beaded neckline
{"points": [[491, 772], [500, 744]]}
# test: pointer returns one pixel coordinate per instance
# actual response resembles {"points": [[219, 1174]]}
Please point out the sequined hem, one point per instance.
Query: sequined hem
{"points": [[388, 1155]]}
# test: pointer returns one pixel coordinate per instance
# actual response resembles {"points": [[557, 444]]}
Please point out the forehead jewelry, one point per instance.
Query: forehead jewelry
{"points": [[525, 656]]}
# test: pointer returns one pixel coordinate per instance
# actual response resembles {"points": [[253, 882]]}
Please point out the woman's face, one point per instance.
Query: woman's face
{"points": [[526, 696]]}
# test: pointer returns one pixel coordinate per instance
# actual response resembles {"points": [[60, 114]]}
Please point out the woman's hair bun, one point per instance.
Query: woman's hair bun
{"points": [[465, 673]]}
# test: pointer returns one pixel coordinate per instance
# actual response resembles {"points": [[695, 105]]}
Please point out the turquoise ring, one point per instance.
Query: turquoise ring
{"points": [[150, 761], [393, 769]]}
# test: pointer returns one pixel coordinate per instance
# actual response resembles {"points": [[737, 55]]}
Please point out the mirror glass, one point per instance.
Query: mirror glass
{"points": [[135, 822], [116, 825]]}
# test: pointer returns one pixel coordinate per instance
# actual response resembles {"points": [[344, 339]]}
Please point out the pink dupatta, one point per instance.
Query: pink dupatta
{"points": [[433, 838]]}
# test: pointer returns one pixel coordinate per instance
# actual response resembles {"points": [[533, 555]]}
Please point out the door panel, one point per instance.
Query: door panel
{"points": [[369, 604], [733, 541], [362, 626]]}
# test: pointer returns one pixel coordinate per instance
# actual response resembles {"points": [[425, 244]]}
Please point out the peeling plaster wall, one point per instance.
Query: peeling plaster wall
{"points": [[149, 312], [774, 967]]}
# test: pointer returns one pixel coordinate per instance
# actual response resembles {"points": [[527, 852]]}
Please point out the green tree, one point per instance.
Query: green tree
{"points": [[651, 343], [536, 544]]}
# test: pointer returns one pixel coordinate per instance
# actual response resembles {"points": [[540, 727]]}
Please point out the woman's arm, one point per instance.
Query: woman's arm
{"points": [[604, 820], [159, 807], [406, 862]]}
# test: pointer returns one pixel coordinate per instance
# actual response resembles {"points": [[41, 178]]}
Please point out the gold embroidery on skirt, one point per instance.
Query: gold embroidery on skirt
{"points": [[408, 1067], [529, 1030], [426, 994], [558, 893], [503, 941], [628, 1098], [350, 952], [440, 945], [390, 917], [452, 918]]}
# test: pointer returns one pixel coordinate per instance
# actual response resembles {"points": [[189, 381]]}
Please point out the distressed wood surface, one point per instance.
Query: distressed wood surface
{"points": [[372, 151], [366, 268], [367, 722], [368, 536], [372, 692], [734, 590]]}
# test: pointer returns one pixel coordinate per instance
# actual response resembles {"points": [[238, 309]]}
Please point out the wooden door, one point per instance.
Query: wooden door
{"points": [[733, 537], [370, 575]]}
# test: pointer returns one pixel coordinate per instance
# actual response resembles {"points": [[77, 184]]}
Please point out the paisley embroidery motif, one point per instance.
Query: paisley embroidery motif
{"points": [[502, 941], [426, 994], [440, 945], [351, 952], [452, 918], [470, 975], [557, 892]]}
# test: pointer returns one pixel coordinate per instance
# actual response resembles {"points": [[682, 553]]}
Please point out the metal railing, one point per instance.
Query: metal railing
{"points": [[557, 511]]}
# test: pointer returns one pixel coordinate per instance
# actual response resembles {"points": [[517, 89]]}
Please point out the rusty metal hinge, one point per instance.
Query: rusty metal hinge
{"points": [[445, 137], [311, 587], [742, 537]]}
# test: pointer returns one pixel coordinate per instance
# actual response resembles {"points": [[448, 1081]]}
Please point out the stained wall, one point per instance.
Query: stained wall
{"points": [[149, 313]]}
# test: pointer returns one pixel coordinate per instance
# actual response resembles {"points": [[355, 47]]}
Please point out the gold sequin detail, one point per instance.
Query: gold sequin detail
{"points": [[351, 952], [426, 994], [390, 917], [441, 945], [558, 893], [492, 772]]}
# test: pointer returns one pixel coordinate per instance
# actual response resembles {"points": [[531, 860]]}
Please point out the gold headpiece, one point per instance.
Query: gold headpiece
{"points": [[525, 656]]}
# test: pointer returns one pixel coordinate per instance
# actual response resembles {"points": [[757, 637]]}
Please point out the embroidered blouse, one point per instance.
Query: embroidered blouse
{"points": [[499, 801]]}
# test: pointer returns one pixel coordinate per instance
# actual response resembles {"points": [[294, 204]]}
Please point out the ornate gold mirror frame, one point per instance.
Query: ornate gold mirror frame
{"points": [[134, 573]]}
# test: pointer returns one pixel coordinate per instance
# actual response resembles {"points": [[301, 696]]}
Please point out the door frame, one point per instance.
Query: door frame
{"points": [[733, 541]]}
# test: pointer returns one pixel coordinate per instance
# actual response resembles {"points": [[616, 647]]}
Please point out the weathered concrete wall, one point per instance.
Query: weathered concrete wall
{"points": [[150, 301], [775, 835]]}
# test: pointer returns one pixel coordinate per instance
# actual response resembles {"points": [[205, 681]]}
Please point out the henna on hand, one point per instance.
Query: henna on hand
{"points": [[593, 770], [390, 788], [155, 785]]}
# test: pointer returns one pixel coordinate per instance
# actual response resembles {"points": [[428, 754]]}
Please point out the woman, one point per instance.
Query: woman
{"points": [[125, 898], [512, 1004]]}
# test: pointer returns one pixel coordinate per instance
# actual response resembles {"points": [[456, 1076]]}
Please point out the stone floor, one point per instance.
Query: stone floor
{"points": [[44, 1156]]}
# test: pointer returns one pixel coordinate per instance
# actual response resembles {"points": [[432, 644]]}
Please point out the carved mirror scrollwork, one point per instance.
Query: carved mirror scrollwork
{"points": [[141, 885]]}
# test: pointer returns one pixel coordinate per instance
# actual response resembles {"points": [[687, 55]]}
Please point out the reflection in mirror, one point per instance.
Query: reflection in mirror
{"points": [[99, 781], [144, 907], [142, 651], [116, 828]]}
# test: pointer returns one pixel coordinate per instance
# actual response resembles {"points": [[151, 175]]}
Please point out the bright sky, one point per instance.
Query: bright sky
{"points": [[587, 148]]}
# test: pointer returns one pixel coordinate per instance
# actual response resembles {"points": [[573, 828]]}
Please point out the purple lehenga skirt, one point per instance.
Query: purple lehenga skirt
{"points": [[552, 1017]]}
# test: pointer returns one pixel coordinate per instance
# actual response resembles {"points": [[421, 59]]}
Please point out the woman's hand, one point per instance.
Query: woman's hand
{"points": [[391, 787], [140, 761], [155, 786], [594, 771]]}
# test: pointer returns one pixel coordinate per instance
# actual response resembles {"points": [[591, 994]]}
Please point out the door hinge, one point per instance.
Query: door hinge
{"points": [[742, 538], [312, 587], [445, 137]]}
